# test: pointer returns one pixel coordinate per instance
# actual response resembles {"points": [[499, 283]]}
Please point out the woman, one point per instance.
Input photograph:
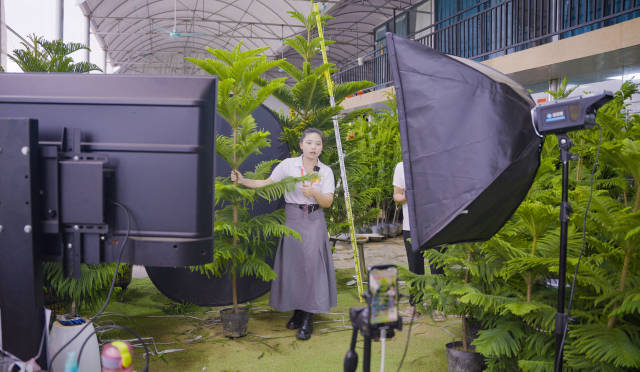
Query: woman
{"points": [[306, 281]]}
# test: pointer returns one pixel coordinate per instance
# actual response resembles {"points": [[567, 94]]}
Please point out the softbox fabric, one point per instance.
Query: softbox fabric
{"points": [[184, 285], [469, 149]]}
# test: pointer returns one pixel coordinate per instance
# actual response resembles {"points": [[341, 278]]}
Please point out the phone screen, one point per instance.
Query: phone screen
{"points": [[383, 288]]}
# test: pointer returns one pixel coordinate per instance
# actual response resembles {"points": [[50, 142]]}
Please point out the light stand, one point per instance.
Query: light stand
{"points": [[565, 144], [560, 117]]}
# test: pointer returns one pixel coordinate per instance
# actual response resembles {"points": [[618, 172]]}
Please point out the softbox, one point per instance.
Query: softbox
{"points": [[469, 148]]}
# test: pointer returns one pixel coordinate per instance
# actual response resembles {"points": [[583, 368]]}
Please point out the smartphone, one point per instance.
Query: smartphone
{"points": [[383, 289]]}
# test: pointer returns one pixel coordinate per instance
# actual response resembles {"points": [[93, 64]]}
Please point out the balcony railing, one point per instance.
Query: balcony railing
{"points": [[485, 31]]}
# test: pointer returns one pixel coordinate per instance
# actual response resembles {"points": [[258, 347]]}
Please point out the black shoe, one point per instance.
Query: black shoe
{"points": [[296, 320], [306, 328]]}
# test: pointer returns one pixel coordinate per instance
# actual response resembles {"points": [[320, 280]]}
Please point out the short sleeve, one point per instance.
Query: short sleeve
{"points": [[398, 176], [328, 182], [280, 171]]}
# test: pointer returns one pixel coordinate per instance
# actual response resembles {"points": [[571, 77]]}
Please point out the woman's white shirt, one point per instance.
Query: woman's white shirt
{"points": [[293, 167]]}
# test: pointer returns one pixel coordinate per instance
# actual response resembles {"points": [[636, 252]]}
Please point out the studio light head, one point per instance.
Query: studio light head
{"points": [[569, 114]]}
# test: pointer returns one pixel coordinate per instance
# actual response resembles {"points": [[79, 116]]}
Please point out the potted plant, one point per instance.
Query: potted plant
{"points": [[242, 242]]}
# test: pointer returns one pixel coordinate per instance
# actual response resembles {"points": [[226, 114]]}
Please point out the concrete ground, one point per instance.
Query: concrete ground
{"points": [[388, 251]]}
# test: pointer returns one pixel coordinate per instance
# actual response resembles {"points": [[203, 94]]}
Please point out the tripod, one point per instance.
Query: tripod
{"points": [[360, 323]]}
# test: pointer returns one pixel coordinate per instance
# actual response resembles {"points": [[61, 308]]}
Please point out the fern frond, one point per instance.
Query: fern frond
{"points": [[262, 169], [501, 341], [620, 347], [630, 305], [257, 268]]}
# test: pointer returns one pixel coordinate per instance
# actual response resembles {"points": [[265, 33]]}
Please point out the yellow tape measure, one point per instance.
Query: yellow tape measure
{"points": [[343, 173]]}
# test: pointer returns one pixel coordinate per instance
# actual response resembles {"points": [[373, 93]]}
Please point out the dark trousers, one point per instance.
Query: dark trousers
{"points": [[416, 260]]}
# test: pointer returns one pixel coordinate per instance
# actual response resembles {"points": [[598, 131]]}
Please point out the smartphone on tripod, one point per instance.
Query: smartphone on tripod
{"points": [[383, 291]]}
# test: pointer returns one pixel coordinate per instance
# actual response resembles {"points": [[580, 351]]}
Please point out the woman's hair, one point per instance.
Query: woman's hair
{"points": [[312, 130]]}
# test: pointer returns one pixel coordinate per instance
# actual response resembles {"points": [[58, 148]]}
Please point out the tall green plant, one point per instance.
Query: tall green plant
{"points": [[40, 55], [378, 144], [242, 241], [307, 97]]}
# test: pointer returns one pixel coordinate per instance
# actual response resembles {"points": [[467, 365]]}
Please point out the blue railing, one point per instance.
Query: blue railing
{"points": [[491, 28]]}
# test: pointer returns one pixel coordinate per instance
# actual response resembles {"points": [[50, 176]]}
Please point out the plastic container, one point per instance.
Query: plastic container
{"points": [[60, 334], [117, 356]]}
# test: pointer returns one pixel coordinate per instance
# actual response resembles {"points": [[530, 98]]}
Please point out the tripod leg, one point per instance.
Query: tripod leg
{"points": [[366, 363], [351, 359]]}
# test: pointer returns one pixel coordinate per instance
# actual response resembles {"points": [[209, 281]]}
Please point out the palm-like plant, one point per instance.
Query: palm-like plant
{"points": [[41, 55], [243, 242]]}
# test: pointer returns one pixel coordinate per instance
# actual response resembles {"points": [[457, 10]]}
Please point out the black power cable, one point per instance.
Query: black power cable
{"points": [[406, 345], [113, 281], [584, 233]]}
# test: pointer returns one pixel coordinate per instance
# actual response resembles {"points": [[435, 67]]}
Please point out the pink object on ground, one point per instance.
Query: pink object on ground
{"points": [[113, 359]]}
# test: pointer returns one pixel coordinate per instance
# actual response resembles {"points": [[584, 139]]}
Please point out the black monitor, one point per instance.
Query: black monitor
{"points": [[89, 162], [146, 142]]}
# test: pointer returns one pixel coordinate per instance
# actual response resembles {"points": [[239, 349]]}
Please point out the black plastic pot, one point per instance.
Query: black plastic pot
{"points": [[234, 324], [463, 361]]}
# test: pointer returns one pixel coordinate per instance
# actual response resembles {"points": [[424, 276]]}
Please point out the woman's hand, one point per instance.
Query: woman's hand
{"points": [[325, 200], [237, 176], [248, 182], [398, 195], [308, 191]]}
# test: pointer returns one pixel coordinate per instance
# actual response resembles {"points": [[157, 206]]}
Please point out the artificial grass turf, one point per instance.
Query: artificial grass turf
{"points": [[269, 346]]}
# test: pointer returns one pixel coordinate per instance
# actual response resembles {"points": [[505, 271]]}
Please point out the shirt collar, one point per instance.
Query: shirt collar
{"points": [[299, 162]]}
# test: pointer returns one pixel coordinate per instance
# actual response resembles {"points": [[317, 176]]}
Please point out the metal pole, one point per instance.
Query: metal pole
{"points": [[104, 63], [59, 13], [3, 40], [394, 20], [554, 15], [366, 362], [565, 211], [87, 38]]}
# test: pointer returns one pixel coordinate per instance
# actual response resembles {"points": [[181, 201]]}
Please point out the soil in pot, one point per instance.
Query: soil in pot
{"points": [[234, 325], [463, 361]]}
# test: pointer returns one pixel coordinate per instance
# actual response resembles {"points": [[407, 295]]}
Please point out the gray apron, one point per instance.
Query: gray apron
{"points": [[306, 277]]}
